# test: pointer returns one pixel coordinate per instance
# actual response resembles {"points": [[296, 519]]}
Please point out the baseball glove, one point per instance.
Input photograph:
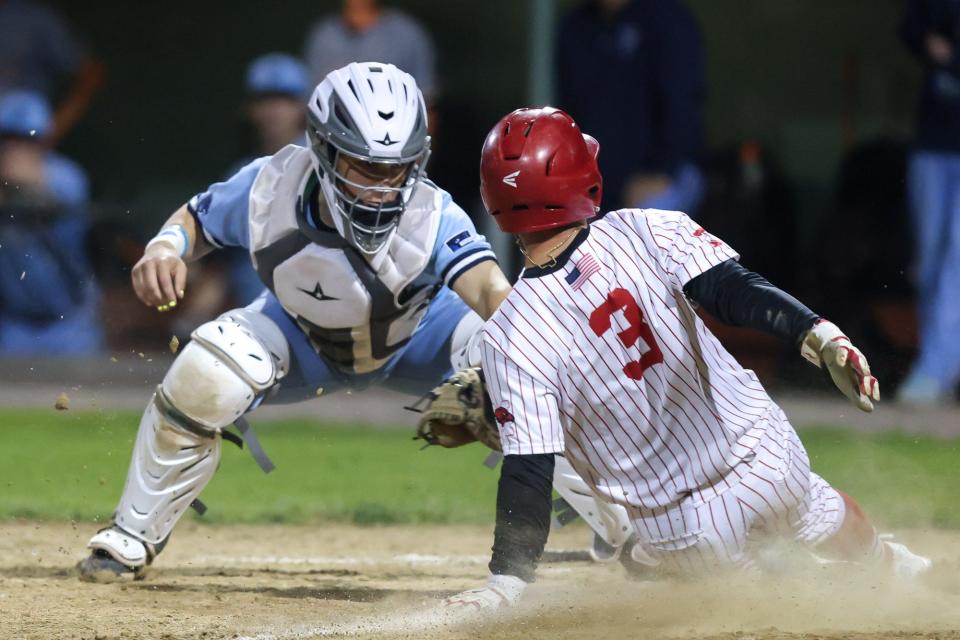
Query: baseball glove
{"points": [[459, 412]]}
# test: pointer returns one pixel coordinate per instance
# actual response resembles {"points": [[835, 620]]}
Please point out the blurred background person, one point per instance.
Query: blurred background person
{"points": [[632, 73], [40, 52], [930, 30], [363, 31], [49, 302], [276, 87]]}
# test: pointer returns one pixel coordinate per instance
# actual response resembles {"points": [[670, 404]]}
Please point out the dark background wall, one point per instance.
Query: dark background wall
{"points": [[168, 121], [805, 77], [810, 80]]}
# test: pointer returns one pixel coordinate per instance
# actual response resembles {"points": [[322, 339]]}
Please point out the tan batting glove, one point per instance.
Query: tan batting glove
{"points": [[826, 346]]}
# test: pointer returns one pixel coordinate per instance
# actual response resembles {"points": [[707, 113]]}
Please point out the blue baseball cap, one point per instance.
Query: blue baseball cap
{"points": [[278, 73], [25, 113]]}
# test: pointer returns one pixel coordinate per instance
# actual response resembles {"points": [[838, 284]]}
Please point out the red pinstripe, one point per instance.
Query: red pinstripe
{"points": [[664, 319], [703, 333], [597, 376], [624, 414]]}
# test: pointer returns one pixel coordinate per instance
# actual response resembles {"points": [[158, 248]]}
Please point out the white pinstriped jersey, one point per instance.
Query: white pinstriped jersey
{"points": [[602, 358]]}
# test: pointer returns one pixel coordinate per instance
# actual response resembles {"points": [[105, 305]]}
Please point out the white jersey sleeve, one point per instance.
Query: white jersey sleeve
{"points": [[525, 407], [683, 249]]}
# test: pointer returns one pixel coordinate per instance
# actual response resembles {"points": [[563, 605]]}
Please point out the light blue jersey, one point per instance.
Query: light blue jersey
{"points": [[359, 313], [223, 211], [49, 300]]}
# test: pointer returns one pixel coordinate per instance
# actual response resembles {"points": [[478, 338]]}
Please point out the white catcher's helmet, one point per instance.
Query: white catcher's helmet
{"points": [[373, 115]]}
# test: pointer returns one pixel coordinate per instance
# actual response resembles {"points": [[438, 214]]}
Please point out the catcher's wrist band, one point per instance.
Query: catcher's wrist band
{"points": [[175, 235]]}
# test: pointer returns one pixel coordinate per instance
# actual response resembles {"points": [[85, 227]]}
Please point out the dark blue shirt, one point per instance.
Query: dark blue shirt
{"points": [[938, 113], [636, 83], [37, 47]]}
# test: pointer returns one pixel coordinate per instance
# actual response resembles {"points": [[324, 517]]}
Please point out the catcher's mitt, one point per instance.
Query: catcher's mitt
{"points": [[459, 412]]}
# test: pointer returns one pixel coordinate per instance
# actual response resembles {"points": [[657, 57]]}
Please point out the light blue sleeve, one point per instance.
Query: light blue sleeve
{"points": [[458, 247], [223, 210]]}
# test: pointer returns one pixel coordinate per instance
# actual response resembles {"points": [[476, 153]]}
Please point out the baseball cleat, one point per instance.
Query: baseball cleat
{"points": [[114, 555], [905, 563], [100, 566]]}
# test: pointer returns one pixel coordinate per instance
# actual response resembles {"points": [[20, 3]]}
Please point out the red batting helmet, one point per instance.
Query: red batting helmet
{"points": [[538, 171]]}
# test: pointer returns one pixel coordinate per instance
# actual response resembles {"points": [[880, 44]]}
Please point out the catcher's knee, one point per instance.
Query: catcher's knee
{"points": [[227, 367]]}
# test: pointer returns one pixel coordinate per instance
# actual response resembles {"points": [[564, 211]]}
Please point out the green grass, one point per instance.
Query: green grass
{"points": [[71, 465], [900, 480]]}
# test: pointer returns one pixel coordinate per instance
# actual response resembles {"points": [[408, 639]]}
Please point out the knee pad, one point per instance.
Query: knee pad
{"points": [[465, 342], [226, 368], [224, 371]]}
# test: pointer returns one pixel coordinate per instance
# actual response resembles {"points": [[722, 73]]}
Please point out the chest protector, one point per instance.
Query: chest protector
{"points": [[357, 311]]}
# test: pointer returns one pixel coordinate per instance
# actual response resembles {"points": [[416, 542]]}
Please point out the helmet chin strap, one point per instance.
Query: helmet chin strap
{"points": [[553, 251]]}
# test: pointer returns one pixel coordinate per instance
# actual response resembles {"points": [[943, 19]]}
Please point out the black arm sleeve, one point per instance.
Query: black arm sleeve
{"points": [[523, 515], [745, 299]]}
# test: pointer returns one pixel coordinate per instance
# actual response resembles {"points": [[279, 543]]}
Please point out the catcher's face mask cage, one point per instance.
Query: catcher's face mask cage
{"points": [[367, 128], [369, 194]]}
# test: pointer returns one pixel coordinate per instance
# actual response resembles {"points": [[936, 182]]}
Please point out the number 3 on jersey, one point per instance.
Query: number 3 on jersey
{"points": [[600, 322]]}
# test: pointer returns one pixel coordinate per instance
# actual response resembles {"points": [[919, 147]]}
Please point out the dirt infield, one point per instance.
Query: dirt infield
{"points": [[281, 582]]}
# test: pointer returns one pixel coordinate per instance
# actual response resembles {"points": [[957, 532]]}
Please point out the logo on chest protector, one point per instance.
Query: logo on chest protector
{"points": [[318, 293], [502, 416]]}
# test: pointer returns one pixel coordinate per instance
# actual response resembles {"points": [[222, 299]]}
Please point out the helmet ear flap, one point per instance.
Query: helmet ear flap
{"points": [[595, 192]]}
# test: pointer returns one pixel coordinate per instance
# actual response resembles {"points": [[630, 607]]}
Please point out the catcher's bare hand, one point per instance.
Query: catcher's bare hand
{"points": [[159, 277]]}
